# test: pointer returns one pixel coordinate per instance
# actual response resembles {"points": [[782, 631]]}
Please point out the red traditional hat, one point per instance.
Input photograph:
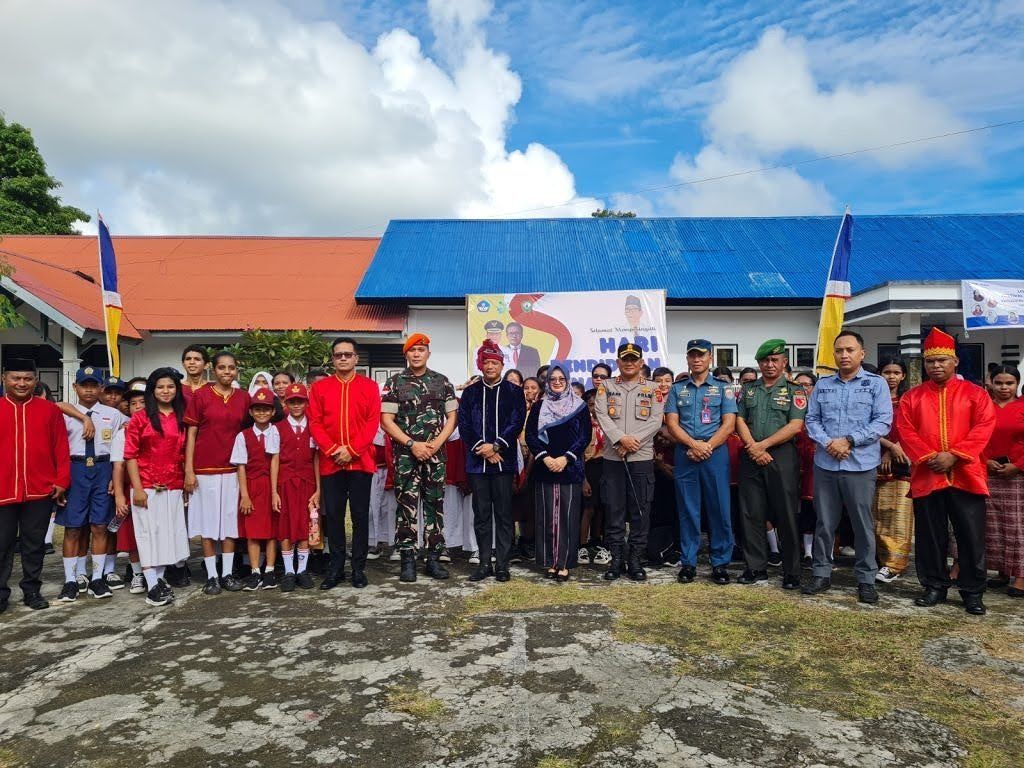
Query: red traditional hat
{"points": [[938, 344], [296, 391], [262, 396], [488, 351]]}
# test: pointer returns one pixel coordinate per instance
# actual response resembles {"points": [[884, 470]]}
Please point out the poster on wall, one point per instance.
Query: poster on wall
{"points": [[574, 330], [992, 304]]}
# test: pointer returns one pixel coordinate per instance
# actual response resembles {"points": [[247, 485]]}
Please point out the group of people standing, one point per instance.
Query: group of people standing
{"points": [[771, 466]]}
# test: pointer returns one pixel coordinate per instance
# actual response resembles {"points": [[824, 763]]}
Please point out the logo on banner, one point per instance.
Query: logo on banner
{"points": [[483, 306]]}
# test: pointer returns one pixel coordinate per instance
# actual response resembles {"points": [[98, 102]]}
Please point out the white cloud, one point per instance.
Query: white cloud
{"points": [[209, 116], [776, 192], [768, 105], [771, 102]]}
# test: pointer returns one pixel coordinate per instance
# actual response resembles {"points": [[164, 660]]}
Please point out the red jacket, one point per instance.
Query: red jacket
{"points": [[959, 418], [345, 414], [34, 454]]}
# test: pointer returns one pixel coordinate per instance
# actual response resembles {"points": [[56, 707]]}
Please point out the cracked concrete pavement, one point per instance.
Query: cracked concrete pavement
{"points": [[309, 678]]}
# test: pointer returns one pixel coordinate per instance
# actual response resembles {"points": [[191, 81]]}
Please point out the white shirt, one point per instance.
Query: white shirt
{"points": [[271, 444], [299, 425], [107, 421], [117, 446]]}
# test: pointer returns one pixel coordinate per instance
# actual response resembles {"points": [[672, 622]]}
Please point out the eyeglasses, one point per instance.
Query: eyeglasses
{"points": [[557, 379], [343, 355], [598, 377]]}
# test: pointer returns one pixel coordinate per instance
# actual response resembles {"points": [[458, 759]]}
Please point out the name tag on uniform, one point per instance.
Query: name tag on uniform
{"points": [[106, 434], [705, 412]]}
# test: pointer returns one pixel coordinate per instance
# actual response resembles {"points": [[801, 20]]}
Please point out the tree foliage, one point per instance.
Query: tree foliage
{"points": [[292, 351], [608, 213], [28, 205]]}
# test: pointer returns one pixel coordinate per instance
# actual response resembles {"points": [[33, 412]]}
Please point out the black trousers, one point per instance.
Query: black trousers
{"points": [[492, 511], [627, 489], [351, 489], [771, 492], [932, 515], [29, 519]]}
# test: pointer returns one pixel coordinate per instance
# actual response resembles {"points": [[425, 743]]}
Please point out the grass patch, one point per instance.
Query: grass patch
{"points": [[415, 703], [556, 762], [858, 663]]}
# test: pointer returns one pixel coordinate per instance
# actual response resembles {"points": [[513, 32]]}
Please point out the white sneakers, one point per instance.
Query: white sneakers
{"points": [[886, 575]]}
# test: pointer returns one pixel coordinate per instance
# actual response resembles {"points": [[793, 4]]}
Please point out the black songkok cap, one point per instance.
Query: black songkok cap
{"points": [[20, 365]]}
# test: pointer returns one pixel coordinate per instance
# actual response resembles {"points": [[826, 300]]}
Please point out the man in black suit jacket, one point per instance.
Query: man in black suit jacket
{"points": [[517, 354]]}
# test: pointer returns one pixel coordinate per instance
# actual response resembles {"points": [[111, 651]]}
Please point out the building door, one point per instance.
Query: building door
{"points": [[972, 362]]}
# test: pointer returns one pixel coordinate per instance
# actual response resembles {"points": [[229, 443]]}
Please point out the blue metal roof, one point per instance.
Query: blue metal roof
{"points": [[693, 259]]}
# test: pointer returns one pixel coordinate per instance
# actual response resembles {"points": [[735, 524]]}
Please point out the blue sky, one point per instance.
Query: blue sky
{"points": [[332, 117]]}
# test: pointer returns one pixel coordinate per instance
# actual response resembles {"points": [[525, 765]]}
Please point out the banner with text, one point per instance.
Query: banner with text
{"points": [[574, 330], [992, 304]]}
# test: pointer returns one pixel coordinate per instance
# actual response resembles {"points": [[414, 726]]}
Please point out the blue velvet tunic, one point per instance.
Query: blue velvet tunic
{"points": [[491, 414]]}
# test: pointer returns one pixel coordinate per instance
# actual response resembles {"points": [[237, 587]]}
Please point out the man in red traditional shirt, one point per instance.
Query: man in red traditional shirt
{"points": [[944, 424], [35, 470], [344, 413]]}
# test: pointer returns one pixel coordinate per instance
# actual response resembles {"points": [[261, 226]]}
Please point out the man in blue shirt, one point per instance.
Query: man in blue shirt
{"points": [[848, 413], [700, 414]]}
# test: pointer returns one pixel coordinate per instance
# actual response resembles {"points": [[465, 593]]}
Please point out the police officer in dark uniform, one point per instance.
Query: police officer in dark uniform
{"points": [[629, 409], [770, 414]]}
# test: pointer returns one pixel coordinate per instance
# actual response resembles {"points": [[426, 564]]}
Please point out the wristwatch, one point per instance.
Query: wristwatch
{"points": [[409, 443]]}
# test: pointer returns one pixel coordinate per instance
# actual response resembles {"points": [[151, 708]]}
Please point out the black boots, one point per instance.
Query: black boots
{"points": [[434, 568], [633, 568], [615, 566], [408, 565]]}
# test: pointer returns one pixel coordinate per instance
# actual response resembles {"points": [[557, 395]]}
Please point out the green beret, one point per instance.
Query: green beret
{"points": [[770, 347]]}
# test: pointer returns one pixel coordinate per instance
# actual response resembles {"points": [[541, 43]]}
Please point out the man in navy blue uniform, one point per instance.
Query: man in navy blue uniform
{"points": [[700, 413]]}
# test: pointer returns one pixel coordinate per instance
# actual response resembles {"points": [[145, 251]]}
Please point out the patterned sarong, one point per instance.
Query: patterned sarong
{"points": [[894, 524]]}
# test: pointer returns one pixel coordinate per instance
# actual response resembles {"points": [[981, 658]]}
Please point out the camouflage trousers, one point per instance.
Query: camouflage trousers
{"points": [[416, 482]]}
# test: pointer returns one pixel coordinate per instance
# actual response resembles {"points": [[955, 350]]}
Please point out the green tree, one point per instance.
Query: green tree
{"points": [[607, 213], [28, 205], [292, 351]]}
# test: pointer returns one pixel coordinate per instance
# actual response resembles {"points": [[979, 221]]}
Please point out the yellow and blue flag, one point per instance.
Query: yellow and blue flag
{"points": [[837, 291], [111, 297]]}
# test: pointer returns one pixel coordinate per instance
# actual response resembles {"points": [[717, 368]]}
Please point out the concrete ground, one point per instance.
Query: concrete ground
{"points": [[529, 673]]}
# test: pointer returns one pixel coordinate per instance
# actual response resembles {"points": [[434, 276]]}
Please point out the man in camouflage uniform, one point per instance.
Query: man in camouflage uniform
{"points": [[419, 411]]}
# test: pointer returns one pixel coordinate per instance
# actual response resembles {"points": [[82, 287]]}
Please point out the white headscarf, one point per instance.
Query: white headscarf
{"points": [[253, 386]]}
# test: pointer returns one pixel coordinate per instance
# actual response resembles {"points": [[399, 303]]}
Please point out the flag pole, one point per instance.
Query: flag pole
{"points": [[103, 303], [828, 279]]}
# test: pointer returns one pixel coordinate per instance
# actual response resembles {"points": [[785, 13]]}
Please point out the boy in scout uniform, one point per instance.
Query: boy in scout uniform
{"points": [[700, 414], [770, 414], [629, 409]]}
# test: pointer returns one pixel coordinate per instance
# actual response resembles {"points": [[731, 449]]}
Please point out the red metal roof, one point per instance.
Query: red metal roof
{"points": [[206, 283]]}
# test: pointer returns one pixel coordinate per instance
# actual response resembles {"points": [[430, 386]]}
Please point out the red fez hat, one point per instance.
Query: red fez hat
{"points": [[938, 344], [414, 339], [296, 391], [262, 396], [488, 351]]}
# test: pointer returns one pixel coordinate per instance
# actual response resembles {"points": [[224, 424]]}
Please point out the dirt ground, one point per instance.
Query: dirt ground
{"points": [[529, 673]]}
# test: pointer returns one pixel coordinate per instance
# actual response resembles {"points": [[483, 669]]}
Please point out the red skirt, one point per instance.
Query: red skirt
{"points": [[293, 522], [261, 522], [126, 535]]}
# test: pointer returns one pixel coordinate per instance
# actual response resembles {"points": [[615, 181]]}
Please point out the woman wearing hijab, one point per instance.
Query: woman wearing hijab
{"points": [[261, 380], [558, 431]]}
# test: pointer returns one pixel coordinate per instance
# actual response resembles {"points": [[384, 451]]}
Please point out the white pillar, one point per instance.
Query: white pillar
{"points": [[910, 345], [70, 363]]}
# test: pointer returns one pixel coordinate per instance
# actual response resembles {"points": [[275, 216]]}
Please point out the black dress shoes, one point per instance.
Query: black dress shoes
{"points": [[686, 574], [817, 585], [866, 593], [359, 579], [973, 605], [931, 597], [791, 582], [330, 582], [502, 575], [36, 601], [481, 572], [751, 577], [719, 575]]}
